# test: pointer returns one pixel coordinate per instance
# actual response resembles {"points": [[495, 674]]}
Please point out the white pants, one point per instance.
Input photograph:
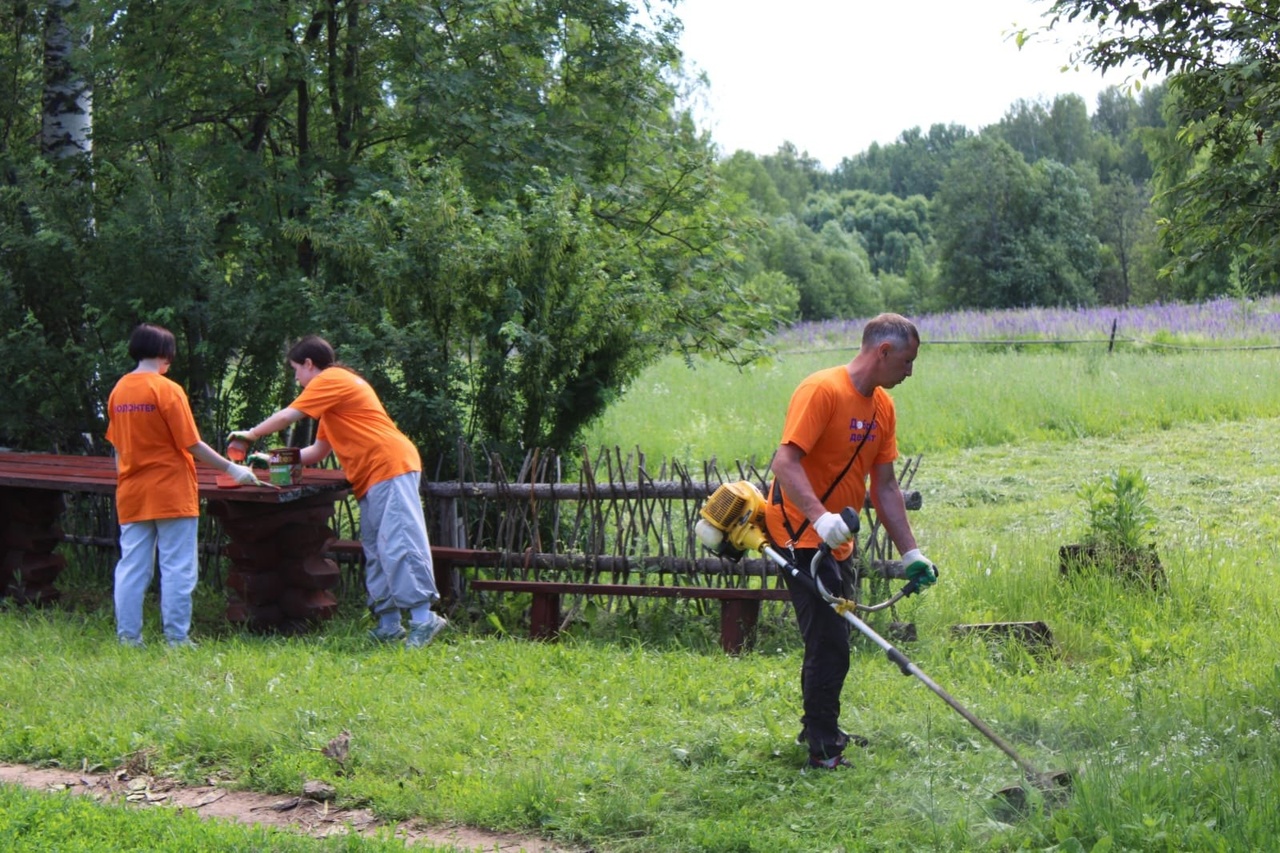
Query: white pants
{"points": [[398, 574]]}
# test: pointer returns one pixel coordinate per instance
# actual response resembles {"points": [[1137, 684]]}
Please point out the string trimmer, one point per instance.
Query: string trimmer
{"points": [[732, 523]]}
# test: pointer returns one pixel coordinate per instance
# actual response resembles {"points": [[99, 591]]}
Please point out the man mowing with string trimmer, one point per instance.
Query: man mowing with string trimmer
{"points": [[731, 523], [840, 431]]}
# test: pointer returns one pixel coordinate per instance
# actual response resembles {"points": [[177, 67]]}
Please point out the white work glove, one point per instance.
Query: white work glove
{"points": [[831, 527], [243, 475]]}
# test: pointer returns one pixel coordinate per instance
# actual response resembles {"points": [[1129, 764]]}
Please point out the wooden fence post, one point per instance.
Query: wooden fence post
{"points": [[452, 535]]}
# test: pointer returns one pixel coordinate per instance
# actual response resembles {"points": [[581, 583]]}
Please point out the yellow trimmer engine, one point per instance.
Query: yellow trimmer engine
{"points": [[732, 520]]}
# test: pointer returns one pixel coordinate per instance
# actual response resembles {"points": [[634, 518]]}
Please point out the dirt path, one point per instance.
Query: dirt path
{"points": [[306, 815]]}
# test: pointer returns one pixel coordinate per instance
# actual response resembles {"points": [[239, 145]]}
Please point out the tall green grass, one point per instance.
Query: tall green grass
{"points": [[959, 397], [639, 735]]}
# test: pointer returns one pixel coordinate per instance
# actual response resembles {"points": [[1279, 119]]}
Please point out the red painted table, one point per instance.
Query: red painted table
{"points": [[279, 576]]}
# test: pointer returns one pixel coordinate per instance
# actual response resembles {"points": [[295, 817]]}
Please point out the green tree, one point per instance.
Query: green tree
{"points": [[892, 229], [1058, 131], [795, 174], [829, 269], [1121, 123], [1124, 225], [913, 165], [499, 170], [1219, 204], [744, 173], [1010, 235]]}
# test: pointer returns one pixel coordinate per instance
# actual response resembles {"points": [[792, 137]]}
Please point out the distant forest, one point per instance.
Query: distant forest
{"points": [[500, 212], [1050, 206]]}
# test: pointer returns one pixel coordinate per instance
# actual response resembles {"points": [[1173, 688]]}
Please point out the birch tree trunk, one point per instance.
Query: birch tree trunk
{"points": [[67, 105]]}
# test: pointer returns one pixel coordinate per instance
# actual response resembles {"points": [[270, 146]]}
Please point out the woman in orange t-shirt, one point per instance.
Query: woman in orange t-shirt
{"points": [[154, 435], [385, 472]]}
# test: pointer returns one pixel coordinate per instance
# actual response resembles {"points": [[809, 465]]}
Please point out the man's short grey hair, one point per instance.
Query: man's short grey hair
{"points": [[894, 328]]}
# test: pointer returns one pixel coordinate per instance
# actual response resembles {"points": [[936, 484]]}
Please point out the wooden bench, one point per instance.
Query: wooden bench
{"points": [[739, 608], [444, 561]]}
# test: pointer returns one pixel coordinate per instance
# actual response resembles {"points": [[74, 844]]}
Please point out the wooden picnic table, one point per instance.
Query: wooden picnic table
{"points": [[65, 473], [276, 537]]}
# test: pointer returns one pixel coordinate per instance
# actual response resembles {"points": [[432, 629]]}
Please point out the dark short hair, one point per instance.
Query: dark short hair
{"points": [[894, 328], [315, 348], [148, 341]]}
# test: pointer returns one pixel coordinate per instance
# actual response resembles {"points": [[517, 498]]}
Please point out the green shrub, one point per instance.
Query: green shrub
{"points": [[1117, 510]]}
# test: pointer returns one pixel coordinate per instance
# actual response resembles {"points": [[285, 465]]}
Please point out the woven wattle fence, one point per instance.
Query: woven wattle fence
{"points": [[615, 519]]}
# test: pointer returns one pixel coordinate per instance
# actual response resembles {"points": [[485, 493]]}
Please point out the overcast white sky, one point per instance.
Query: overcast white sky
{"points": [[833, 76]]}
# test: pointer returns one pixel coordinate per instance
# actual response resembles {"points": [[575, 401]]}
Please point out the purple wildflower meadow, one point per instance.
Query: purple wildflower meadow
{"points": [[1254, 321]]}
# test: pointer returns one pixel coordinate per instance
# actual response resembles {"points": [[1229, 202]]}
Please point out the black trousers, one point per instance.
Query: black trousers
{"points": [[826, 652]]}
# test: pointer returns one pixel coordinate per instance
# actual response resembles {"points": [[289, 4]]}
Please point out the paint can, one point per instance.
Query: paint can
{"points": [[285, 466]]}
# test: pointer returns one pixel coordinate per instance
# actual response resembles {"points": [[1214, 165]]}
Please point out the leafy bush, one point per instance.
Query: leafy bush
{"points": [[1117, 510]]}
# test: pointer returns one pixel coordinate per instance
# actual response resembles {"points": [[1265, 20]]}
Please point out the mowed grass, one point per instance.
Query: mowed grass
{"points": [[637, 736]]}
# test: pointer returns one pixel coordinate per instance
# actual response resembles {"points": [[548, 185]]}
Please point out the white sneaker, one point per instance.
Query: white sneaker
{"points": [[422, 633]]}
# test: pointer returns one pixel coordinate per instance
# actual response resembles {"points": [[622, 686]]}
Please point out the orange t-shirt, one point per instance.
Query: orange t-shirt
{"points": [[826, 419], [352, 420], [151, 426]]}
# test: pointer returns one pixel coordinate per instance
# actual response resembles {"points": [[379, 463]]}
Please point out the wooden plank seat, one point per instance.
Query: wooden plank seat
{"points": [[739, 607], [444, 561]]}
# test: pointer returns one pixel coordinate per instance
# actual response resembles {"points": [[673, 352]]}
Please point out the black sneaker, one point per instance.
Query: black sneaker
{"points": [[842, 741], [829, 763]]}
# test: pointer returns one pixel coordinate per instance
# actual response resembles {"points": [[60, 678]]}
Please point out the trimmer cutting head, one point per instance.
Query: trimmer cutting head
{"points": [[1053, 787]]}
